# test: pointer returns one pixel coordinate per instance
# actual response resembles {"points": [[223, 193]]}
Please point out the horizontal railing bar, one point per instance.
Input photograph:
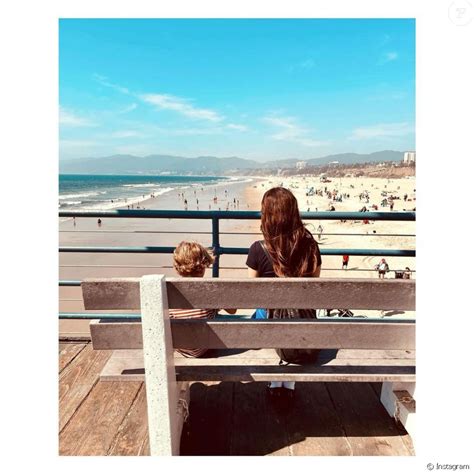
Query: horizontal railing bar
{"points": [[123, 266], [133, 232], [138, 316], [221, 267], [103, 316], [364, 235], [237, 251], [241, 215], [355, 252], [222, 317], [162, 250], [69, 282], [178, 232]]}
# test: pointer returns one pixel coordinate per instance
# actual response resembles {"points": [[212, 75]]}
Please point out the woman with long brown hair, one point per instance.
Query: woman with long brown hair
{"points": [[288, 249]]}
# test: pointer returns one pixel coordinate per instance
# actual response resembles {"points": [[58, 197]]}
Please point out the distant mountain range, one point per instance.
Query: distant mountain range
{"points": [[202, 165]]}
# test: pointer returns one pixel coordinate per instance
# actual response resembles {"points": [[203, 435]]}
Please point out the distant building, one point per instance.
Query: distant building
{"points": [[301, 165], [409, 157]]}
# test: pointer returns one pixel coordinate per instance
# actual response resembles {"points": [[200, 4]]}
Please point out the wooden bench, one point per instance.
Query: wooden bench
{"points": [[354, 350]]}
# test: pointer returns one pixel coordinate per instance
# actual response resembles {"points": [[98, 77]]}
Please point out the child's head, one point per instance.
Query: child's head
{"points": [[191, 259]]}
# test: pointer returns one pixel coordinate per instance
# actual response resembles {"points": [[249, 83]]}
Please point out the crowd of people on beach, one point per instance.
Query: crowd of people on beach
{"points": [[215, 203]]}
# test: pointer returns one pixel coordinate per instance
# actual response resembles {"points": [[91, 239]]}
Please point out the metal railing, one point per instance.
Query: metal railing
{"points": [[216, 216]]}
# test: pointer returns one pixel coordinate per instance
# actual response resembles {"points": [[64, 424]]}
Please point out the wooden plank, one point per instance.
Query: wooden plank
{"points": [[407, 440], [68, 351], [146, 447], [132, 434], [354, 293], [208, 429], [249, 334], [258, 426], [313, 426], [369, 429], [192, 441], [93, 428], [77, 380], [128, 365]]}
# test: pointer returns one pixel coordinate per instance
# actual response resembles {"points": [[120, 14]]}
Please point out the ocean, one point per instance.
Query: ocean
{"points": [[111, 191]]}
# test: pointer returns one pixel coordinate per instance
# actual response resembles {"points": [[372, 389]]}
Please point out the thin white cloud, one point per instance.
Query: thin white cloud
{"points": [[290, 131], [105, 82], [164, 102], [192, 131], [77, 143], [235, 126], [384, 95], [153, 130], [126, 134], [181, 106], [71, 119], [128, 108], [388, 57], [382, 130]]}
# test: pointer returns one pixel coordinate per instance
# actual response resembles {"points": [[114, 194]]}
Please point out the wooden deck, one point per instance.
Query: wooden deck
{"points": [[229, 418]]}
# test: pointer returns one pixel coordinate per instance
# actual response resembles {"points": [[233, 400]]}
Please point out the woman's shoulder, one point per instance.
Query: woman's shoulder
{"points": [[256, 246]]}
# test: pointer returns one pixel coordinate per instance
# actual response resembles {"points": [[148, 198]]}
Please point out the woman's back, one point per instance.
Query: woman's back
{"points": [[259, 260]]}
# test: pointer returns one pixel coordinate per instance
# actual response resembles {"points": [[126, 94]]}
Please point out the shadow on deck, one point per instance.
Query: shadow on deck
{"points": [[228, 418]]}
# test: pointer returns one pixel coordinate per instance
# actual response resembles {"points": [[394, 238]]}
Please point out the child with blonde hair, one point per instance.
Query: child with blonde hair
{"points": [[190, 259]]}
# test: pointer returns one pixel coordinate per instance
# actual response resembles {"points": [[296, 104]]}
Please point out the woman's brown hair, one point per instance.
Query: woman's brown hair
{"points": [[292, 247]]}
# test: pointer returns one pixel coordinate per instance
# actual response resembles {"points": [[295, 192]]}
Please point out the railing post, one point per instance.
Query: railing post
{"points": [[215, 246]]}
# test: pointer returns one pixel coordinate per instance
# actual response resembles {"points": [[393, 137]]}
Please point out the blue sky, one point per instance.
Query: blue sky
{"points": [[258, 89]]}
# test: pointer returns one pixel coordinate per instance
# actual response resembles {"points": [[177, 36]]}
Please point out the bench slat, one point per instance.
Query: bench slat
{"points": [[251, 334], [350, 366], [184, 293]]}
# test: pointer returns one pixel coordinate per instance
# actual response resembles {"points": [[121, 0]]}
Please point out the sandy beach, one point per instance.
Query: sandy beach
{"points": [[247, 194]]}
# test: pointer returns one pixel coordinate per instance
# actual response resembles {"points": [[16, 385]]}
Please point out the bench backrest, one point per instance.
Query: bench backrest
{"points": [[125, 294]]}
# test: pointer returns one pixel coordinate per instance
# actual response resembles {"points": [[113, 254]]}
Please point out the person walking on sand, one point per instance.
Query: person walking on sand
{"points": [[99, 222], [320, 231], [345, 261], [382, 268], [288, 250]]}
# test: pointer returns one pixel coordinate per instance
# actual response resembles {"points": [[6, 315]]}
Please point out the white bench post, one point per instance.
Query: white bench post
{"points": [[164, 424]]}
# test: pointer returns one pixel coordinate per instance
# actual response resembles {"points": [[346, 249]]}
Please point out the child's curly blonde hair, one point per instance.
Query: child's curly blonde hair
{"points": [[191, 259]]}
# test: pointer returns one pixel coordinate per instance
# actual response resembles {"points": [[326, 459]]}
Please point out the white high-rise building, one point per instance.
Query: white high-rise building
{"points": [[409, 157], [301, 165]]}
